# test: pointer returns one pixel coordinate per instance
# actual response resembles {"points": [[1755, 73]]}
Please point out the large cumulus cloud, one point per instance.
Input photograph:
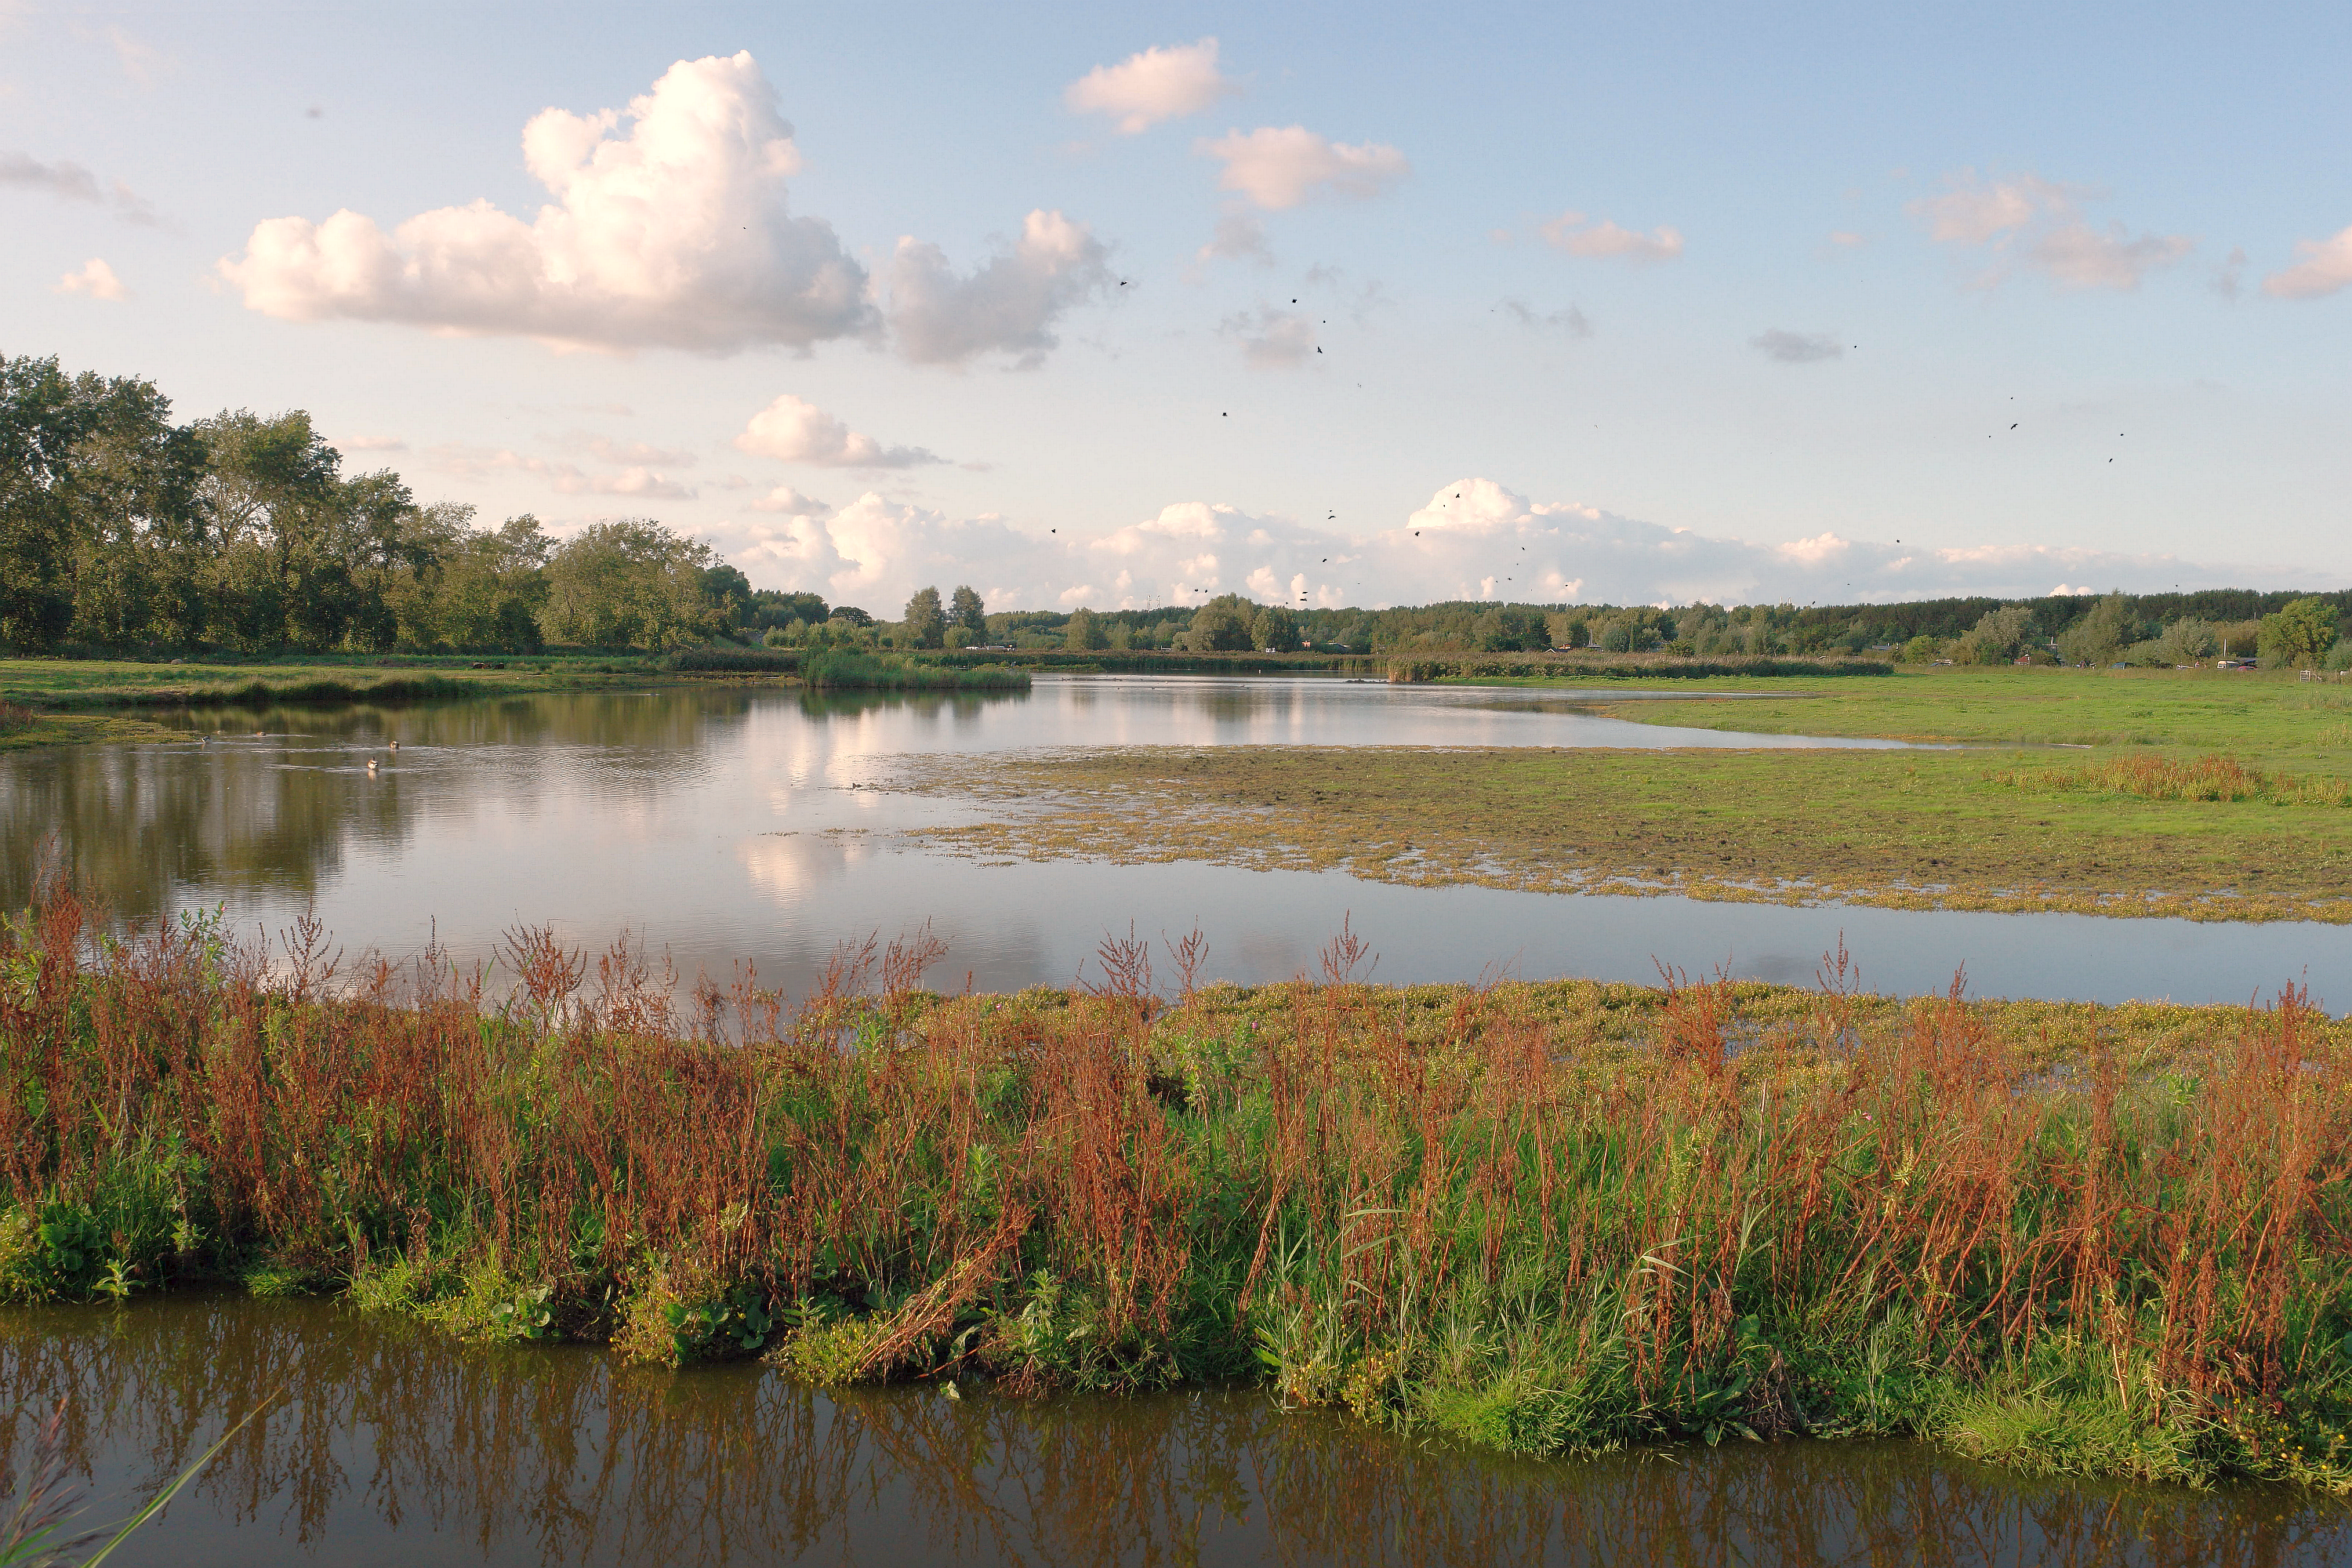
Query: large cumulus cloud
{"points": [[672, 232]]}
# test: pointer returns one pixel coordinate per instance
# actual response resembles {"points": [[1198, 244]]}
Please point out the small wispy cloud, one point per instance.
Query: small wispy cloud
{"points": [[68, 180], [1797, 348], [1570, 320], [1572, 233], [2027, 221]]}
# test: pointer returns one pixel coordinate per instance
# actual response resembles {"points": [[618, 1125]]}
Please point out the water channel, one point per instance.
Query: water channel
{"points": [[388, 1443], [727, 823]]}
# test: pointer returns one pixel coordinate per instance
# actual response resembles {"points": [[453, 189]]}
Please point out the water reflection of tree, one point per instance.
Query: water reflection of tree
{"points": [[141, 825], [830, 702], [562, 1456]]}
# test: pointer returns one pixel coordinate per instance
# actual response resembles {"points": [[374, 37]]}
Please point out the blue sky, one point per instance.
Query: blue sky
{"points": [[1682, 301]]}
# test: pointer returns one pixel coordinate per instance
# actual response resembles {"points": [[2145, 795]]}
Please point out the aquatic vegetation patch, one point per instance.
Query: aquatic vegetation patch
{"points": [[1892, 828], [851, 670], [2209, 778], [1549, 1219]]}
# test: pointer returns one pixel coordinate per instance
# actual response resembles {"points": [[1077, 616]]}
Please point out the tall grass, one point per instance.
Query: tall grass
{"points": [[850, 670], [1701, 1212], [15, 716], [2212, 778]]}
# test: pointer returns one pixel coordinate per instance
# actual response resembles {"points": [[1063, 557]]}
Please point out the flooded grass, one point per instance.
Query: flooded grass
{"points": [[1895, 828], [1542, 1219]]}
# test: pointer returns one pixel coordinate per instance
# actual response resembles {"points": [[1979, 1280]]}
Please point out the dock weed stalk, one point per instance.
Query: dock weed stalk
{"points": [[1550, 1217]]}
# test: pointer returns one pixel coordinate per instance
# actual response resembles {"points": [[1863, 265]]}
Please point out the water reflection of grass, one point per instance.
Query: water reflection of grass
{"points": [[1903, 829], [391, 1429], [1541, 1218]]}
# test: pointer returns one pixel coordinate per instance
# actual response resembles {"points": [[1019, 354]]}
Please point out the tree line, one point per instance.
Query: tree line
{"points": [[2152, 629], [120, 530]]}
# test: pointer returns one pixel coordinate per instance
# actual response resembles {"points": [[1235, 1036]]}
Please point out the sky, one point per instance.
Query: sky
{"points": [[1127, 306]]}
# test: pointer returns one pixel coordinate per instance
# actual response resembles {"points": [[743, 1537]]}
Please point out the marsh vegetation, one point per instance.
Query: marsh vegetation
{"points": [[1543, 1218]]}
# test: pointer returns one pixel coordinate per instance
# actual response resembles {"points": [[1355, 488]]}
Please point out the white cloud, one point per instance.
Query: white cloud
{"points": [[786, 499], [672, 233], [794, 430], [1847, 238], [1570, 320], [1239, 238], [143, 62], [1797, 348], [68, 180], [564, 479], [2225, 278], [1009, 306], [630, 481], [373, 443], [604, 449], [2038, 223], [1474, 540], [2076, 256], [1272, 339], [1158, 84], [1973, 211], [1281, 166], [94, 278], [1569, 232], [2322, 266]]}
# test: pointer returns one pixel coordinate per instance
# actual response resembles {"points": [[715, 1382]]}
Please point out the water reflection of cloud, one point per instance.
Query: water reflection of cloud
{"points": [[788, 865]]}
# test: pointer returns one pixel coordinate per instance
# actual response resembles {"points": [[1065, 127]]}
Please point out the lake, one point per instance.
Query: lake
{"points": [[726, 823], [390, 1444]]}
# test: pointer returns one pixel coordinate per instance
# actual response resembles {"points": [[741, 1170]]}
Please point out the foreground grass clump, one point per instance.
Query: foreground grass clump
{"points": [[893, 672], [1550, 1218]]}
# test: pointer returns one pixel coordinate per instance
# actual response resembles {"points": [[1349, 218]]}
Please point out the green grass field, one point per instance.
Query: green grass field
{"points": [[87, 683], [2267, 717], [2003, 821]]}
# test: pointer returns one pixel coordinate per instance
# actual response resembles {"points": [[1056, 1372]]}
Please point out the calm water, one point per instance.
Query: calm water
{"points": [[391, 1445], [729, 823]]}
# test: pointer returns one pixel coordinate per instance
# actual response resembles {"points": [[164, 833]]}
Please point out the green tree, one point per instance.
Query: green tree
{"points": [[1512, 628], [1998, 635], [627, 583], [2299, 634], [965, 610], [2097, 637], [278, 510], [1275, 628], [489, 592], [1922, 649], [1220, 626], [924, 624], [728, 593], [138, 544], [1085, 630], [2189, 639], [39, 427]]}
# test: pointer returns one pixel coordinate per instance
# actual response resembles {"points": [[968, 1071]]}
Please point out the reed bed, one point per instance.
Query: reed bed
{"points": [[1547, 1219], [890, 672], [2214, 778]]}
